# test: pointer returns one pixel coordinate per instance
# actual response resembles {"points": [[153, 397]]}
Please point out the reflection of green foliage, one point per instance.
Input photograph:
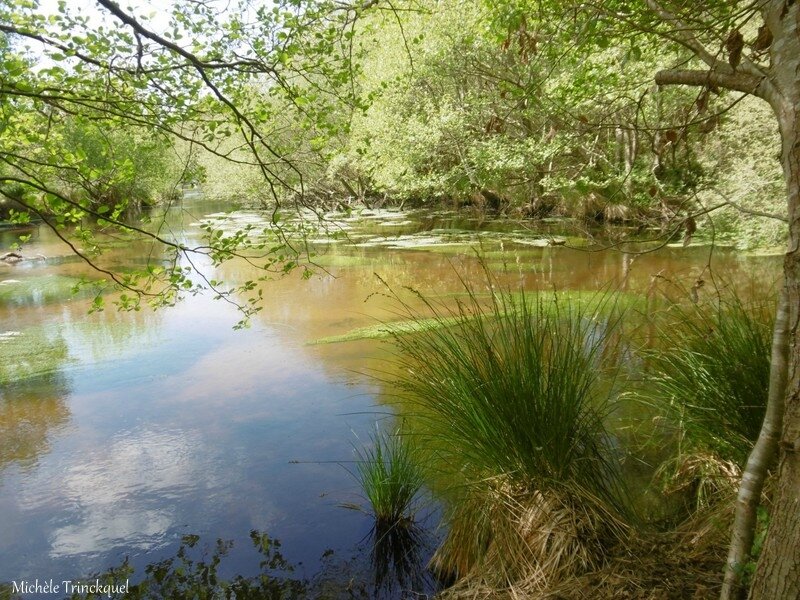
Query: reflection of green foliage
{"points": [[184, 577], [109, 335], [7, 592], [29, 354], [29, 413]]}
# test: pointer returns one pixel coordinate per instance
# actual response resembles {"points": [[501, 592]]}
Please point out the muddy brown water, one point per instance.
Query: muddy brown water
{"points": [[145, 426]]}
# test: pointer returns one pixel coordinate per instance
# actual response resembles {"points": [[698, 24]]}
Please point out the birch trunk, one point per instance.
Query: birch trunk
{"points": [[778, 572], [760, 460]]}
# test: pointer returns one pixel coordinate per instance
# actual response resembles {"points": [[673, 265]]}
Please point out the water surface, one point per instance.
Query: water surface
{"points": [[150, 425]]}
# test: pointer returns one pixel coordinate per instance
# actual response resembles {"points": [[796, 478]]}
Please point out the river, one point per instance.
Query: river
{"points": [[140, 427]]}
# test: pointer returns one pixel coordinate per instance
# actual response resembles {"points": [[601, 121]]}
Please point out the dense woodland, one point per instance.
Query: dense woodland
{"points": [[679, 119]]}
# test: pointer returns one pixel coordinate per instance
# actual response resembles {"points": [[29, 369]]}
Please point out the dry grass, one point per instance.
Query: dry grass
{"points": [[702, 479], [526, 540], [651, 567], [575, 554]]}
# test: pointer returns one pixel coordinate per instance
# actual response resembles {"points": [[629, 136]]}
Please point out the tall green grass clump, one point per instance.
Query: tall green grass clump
{"points": [[710, 379], [510, 399], [390, 476], [712, 375]]}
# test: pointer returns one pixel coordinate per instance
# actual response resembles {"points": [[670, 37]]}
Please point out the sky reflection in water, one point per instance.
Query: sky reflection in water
{"points": [[160, 425]]}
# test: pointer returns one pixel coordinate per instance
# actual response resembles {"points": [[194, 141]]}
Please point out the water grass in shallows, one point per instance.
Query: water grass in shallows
{"points": [[390, 476], [511, 398]]}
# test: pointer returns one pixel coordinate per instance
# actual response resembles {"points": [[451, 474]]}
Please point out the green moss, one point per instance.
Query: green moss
{"points": [[382, 331], [30, 353], [586, 300], [38, 290]]}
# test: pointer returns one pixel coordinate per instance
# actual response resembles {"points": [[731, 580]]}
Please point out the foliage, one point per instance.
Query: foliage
{"points": [[475, 103], [123, 168], [319, 103], [741, 159], [185, 577], [93, 107]]}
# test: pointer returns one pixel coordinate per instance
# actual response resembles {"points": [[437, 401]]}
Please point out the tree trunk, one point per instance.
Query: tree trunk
{"points": [[778, 573], [760, 460]]}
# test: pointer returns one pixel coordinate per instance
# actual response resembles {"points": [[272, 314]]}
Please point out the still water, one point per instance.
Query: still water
{"points": [[147, 426]]}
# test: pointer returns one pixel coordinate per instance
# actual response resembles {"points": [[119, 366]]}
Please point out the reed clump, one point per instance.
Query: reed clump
{"points": [[391, 477], [712, 375], [510, 401]]}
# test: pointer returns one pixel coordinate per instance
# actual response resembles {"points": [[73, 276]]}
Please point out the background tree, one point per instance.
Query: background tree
{"points": [[78, 91]]}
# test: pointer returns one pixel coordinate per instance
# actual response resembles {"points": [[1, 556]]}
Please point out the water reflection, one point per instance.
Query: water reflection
{"points": [[30, 414], [32, 394], [398, 558], [121, 495], [198, 568], [172, 422]]}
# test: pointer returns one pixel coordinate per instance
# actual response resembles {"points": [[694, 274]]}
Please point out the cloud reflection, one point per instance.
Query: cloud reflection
{"points": [[125, 493]]}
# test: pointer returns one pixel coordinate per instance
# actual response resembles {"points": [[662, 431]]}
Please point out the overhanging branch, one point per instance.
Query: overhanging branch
{"points": [[739, 82], [684, 35]]}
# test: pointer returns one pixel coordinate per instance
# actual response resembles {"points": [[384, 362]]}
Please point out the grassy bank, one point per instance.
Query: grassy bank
{"points": [[511, 402]]}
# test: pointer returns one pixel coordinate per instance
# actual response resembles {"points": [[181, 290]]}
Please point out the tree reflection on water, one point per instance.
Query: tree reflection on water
{"points": [[389, 563]]}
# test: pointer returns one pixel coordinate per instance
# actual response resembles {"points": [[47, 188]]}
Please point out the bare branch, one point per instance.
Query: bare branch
{"points": [[750, 211]]}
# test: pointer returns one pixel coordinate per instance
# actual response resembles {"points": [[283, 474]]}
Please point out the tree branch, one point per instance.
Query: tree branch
{"points": [[684, 36], [740, 82], [245, 124], [750, 211]]}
